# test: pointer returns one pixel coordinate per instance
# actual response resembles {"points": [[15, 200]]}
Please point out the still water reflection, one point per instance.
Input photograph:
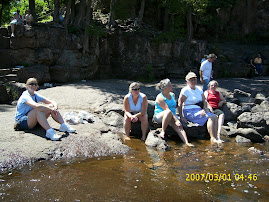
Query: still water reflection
{"points": [[148, 175]]}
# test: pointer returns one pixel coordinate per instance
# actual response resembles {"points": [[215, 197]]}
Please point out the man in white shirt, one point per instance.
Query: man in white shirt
{"points": [[206, 70]]}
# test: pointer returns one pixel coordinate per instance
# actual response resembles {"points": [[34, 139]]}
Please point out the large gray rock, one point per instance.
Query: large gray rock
{"points": [[113, 118], [240, 139], [248, 133], [192, 130], [231, 111], [91, 145], [4, 98], [263, 107], [59, 74], [248, 119], [40, 72], [154, 140]]}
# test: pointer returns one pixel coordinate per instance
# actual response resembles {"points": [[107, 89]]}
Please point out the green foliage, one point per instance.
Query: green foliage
{"points": [[13, 94], [95, 30], [41, 8]]}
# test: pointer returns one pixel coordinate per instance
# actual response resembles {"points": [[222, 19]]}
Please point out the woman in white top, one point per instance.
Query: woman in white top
{"points": [[189, 110], [135, 108]]}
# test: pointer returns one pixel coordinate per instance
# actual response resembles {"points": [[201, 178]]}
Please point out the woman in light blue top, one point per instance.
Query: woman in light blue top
{"points": [[135, 107], [33, 108], [165, 110]]}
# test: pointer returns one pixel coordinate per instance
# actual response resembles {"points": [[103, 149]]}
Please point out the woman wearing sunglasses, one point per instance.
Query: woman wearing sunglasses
{"points": [[165, 110], [215, 100], [135, 109], [31, 111], [190, 109]]}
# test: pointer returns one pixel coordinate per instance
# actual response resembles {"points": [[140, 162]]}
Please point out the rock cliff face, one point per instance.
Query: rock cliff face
{"points": [[47, 52], [121, 54]]}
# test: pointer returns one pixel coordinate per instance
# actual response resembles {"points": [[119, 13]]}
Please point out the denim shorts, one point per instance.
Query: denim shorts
{"points": [[23, 123]]}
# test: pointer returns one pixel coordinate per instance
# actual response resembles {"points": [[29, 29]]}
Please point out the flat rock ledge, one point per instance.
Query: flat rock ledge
{"points": [[246, 115]]}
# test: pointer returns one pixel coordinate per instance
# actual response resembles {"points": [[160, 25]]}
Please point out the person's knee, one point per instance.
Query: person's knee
{"points": [[213, 118], [168, 112], [127, 119]]}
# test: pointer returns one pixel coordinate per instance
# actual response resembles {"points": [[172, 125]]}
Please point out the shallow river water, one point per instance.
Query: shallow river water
{"points": [[204, 173]]}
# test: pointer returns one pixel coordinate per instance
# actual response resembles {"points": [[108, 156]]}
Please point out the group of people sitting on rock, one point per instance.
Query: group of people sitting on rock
{"points": [[194, 106], [19, 20]]}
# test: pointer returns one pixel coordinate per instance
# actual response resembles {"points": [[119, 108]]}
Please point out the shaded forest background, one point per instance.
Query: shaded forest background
{"points": [[174, 19]]}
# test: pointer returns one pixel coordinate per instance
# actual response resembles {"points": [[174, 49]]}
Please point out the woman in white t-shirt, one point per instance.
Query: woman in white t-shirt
{"points": [[135, 109], [189, 109]]}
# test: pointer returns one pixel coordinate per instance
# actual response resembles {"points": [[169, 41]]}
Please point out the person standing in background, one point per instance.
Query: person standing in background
{"points": [[206, 70], [258, 63]]}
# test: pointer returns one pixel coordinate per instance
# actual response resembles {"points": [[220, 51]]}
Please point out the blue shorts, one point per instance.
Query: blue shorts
{"points": [[23, 123], [193, 115]]}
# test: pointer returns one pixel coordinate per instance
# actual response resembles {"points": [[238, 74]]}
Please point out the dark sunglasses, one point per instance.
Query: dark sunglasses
{"points": [[213, 85], [33, 84], [135, 89], [193, 79]]}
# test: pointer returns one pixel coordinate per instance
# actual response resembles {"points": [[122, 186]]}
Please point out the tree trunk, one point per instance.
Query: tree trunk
{"points": [[166, 18], [81, 13], [141, 12], [32, 9], [185, 52], [73, 12], [111, 21], [1, 13], [56, 11], [67, 13], [87, 22]]}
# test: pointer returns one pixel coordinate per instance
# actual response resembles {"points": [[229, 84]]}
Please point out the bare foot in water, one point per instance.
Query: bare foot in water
{"points": [[220, 141], [162, 134], [189, 145], [214, 141]]}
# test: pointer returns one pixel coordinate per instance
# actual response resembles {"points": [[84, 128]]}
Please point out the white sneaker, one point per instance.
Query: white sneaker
{"points": [[67, 128], [51, 134]]}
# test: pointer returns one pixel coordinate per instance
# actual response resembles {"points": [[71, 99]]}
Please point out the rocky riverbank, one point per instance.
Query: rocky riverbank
{"points": [[247, 115]]}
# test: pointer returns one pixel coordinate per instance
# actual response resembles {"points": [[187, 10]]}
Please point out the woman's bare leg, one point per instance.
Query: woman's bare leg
{"points": [[212, 127], [144, 126], [166, 118], [220, 124], [57, 117], [35, 116], [181, 133], [127, 126]]}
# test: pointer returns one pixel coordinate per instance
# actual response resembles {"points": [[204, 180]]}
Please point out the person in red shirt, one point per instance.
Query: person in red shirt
{"points": [[215, 100]]}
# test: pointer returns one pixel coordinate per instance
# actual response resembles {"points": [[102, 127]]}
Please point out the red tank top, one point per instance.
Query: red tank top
{"points": [[213, 99]]}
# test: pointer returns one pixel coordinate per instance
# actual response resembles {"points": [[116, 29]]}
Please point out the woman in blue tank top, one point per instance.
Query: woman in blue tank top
{"points": [[165, 110], [135, 109]]}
